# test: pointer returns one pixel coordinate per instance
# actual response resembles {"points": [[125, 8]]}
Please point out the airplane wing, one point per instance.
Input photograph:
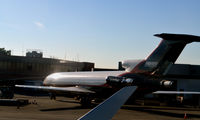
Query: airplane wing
{"points": [[176, 92], [107, 109], [75, 89]]}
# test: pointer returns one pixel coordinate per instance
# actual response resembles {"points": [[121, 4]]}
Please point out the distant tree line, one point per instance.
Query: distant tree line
{"points": [[3, 51]]}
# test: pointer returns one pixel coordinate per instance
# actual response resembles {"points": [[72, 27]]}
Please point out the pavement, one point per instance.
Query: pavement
{"points": [[63, 108]]}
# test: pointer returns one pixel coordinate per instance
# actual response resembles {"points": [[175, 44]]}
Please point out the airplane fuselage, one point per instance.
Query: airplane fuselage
{"points": [[90, 79]]}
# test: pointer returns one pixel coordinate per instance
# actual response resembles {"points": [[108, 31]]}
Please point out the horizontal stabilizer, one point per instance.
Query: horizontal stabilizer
{"points": [[179, 37], [176, 92], [62, 89]]}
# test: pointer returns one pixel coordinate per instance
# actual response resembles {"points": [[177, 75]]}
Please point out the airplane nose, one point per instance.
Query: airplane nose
{"points": [[48, 80]]}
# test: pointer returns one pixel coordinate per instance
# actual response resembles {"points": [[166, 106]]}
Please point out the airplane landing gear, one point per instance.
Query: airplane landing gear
{"points": [[86, 101], [52, 96]]}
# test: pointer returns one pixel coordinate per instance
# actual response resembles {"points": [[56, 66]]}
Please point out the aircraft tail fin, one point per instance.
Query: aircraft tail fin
{"points": [[166, 53]]}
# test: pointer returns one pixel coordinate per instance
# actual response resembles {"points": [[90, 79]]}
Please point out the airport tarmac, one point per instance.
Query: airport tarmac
{"points": [[68, 109]]}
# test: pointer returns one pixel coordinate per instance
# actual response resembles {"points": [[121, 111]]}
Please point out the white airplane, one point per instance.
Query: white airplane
{"points": [[145, 76]]}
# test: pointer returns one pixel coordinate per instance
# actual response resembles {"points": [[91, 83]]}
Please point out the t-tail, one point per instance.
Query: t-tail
{"points": [[167, 52]]}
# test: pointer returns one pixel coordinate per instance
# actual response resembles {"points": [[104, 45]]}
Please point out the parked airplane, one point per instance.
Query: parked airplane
{"points": [[145, 76]]}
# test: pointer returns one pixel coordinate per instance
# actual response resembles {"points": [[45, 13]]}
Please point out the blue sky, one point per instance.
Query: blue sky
{"points": [[100, 31]]}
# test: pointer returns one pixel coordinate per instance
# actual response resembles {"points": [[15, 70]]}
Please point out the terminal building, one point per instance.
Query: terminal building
{"points": [[32, 69], [186, 77], [34, 65]]}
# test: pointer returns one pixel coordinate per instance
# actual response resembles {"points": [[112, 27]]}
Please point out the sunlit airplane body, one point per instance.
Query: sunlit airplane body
{"points": [[92, 79], [149, 74]]}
